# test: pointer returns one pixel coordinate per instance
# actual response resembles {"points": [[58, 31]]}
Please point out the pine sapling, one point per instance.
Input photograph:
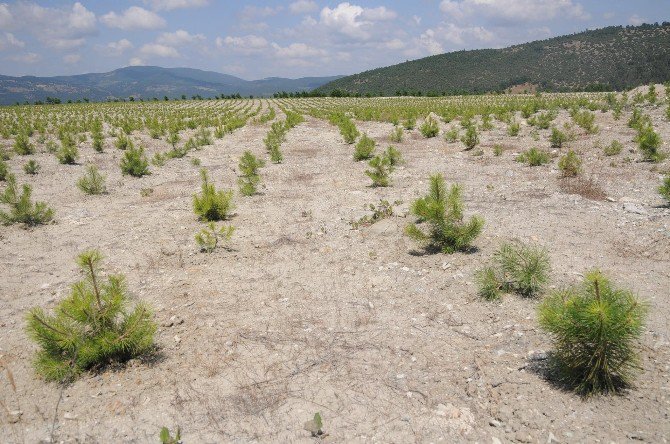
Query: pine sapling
{"points": [[558, 138], [68, 152], [664, 189], [22, 145], [134, 162], [380, 170], [429, 128], [21, 209], [471, 138], [533, 157], [211, 236], [92, 182], [570, 164], [31, 167], [397, 134], [595, 330], [394, 156], [364, 148], [249, 165], [442, 211], [4, 170], [210, 204], [94, 326]]}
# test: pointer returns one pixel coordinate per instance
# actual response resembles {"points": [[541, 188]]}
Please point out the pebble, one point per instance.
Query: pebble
{"points": [[15, 416], [495, 423], [177, 339], [634, 208]]}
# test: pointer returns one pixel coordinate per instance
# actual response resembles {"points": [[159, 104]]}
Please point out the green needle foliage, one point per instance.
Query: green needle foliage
{"points": [[649, 141], [209, 237], [68, 152], [92, 327], [664, 189], [31, 167], [470, 139], [516, 268], [558, 138], [210, 204], [429, 128], [513, 129], [613, 148], [594, 328], [249, 165], [397, 134], [451, 135], [22, 145], [123, 142], [570, 164], [21, 208], [533, 157], [92, 182], [134, 162], [4, 170], [442, 211], [380, 170], [167, 438], [364, 148], [394, 156]]}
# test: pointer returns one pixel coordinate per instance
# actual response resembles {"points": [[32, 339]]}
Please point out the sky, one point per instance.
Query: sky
{"points": [[284, 38]]}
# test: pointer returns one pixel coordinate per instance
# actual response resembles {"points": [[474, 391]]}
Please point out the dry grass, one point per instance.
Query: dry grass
{"points": [[587, 188]]}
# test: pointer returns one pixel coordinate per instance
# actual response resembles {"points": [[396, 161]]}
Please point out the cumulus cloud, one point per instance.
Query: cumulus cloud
{"points": [[453, 36], [60, 28], [134, 17], [303, 7], [29, 57], [254, 12], [298, 51], [158, 50], [118, 48], [354, 21], [248, 44], [135, 61], [8, 41], [513, 11], [179, 37], [5, 16], [169, 5], [636, 20]]}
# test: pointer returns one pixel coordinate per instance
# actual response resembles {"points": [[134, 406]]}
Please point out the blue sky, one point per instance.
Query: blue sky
{"points": [[289, 38]]}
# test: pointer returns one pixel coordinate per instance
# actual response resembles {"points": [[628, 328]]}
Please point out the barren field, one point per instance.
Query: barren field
{"points": [[304, 314]]}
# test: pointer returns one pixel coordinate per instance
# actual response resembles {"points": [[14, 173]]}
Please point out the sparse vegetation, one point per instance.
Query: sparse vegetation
{"points": [[442, 211], [570, 164], [92, 182], [365, 148], [397, 134], [429, 128], [134, 162], [92, 327], [613, 148], [594, 328], [211, 236], [249, 165], [382, 210], [533, 157], [21, 208], [31, 167], [471, 138], [558, 138], [664, 189], [380, 169], [212, 205], [22, 145]]}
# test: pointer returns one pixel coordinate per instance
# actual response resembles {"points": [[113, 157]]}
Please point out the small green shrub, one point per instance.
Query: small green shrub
{"points": [[513, 129], [649, 141], [92, 182], [249, 165], [613, 148], [22, 145], [196, 162], [497, 150], [92, 327], [68, 152], [347, 128], [397, 134], [380, 211], [123, 142], [167, 438], [471, 138], [487, 124], [134, 162], [21, 208], [451, 135], [31, 167], [394, 156], [211, 236], [159, 159], [570, 164], [558, 138], [594, 329], [210, 204], [442, 211], [533, 157], [293, 119], [380, 170], [517, 268], [664, 189], [586, 120], [410, 123], [4, 170], [364, 148], [98, 143], [429, 128]]}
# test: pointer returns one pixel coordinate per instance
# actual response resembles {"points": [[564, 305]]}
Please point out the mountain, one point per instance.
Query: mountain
{"points": [[146, 82], [609, 58]]}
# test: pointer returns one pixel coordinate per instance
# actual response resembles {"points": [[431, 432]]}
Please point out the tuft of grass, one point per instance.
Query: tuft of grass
{"points": [[517, 268], [594, 328], [92, 327], [442, 212]]}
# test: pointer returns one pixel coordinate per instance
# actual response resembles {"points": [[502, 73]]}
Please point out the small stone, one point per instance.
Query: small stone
{"points": [[495, 423], [634, 208], [15, 416], [551, 439], [448, 411], [177, 339], [70, 416], [495, 440]]}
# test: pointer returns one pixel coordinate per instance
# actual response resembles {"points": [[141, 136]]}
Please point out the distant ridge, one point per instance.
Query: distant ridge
{"points": [[146, 82], [609, 58]]}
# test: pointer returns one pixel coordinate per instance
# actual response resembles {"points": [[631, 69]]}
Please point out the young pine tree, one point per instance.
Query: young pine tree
{"points": [[134, 162], [664, 189], [249, 165], [211, 236], [380, 169], [442, 211], [210, 204], [570, 164], [92, 327], [21, 208], [22, 145], [595, 329], [364, 148], [92, 182], [470, 139]]}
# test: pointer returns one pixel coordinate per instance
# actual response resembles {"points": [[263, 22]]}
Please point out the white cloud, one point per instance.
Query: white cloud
{"points": [[156, 49], [454, 36], [71, 59], [5, 16], [29, 57], [354, 21], [135, 61], [298, 51], [7, 41], [636, 20], [247, 44], [60, 28], [179, 37], [303, 7], [253, 12], [118, 48], [134, 17], [169, 5], [514, 11]]}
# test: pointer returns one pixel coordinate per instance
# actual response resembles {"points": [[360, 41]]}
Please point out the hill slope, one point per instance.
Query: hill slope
{"points": [[615, 56], [145, 82]]}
